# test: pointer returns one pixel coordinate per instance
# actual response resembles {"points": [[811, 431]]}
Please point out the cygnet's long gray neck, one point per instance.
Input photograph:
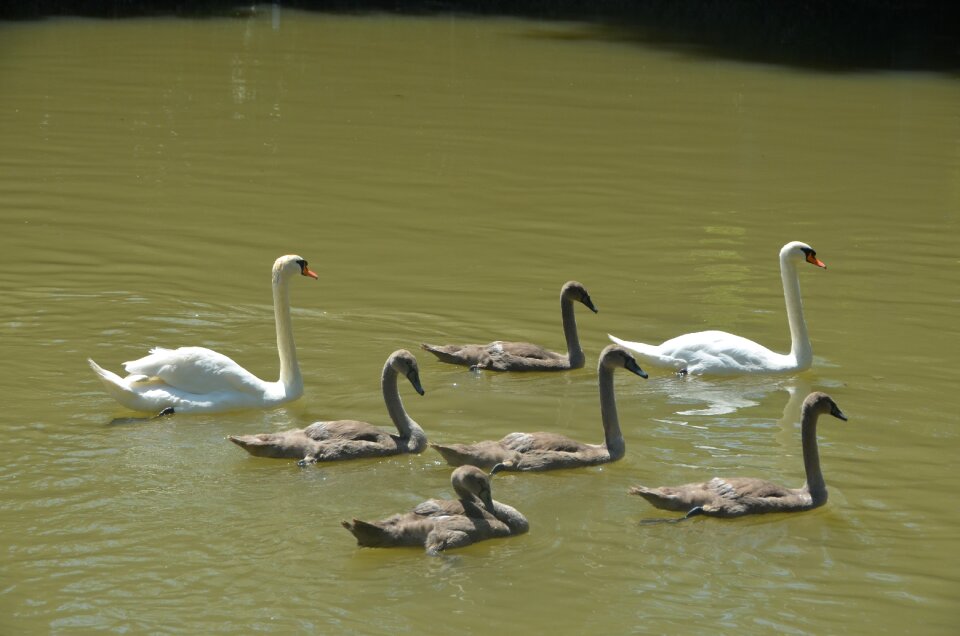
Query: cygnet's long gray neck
{"points": [[613, 436], [406, 426], [811, 457], [574, 350]]}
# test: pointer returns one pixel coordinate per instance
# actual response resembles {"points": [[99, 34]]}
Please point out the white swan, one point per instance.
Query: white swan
{"points": [[198, 380], [722, 353]]}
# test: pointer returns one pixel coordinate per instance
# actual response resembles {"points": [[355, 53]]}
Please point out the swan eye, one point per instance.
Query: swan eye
{"points": [[303, 264], [808, 251]]}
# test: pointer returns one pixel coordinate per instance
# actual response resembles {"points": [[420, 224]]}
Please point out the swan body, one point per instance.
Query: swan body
{"points": [[738, 496], [547, 451], [523, 356], [722, 353], [349, 439], [441, 524], [199, 380]]}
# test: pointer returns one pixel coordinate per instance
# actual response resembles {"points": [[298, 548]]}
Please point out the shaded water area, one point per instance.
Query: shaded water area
{"points": [[445, 176]]}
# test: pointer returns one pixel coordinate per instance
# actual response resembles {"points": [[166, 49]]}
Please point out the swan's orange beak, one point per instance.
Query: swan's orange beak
{"points": [[813, 260], [306, 271]]}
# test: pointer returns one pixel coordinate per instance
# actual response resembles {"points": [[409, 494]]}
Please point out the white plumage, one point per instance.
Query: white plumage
{"points": [[199, 380], [722, 353]]}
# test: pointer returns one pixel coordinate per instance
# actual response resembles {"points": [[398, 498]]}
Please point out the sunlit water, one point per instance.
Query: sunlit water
{"points": [[445, 176]]}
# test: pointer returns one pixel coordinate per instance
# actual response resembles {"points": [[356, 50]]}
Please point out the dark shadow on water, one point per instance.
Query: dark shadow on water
{"points": [[126, 421], [659, 521], [825, 35]]}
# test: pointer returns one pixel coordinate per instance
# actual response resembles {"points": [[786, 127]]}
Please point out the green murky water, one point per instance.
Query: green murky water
{"points": [[445, 177]]}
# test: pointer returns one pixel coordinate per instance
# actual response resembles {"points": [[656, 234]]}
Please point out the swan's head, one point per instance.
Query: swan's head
{"points": [[573, 290], [616, 357], [821, 403], [470, 480], [798, 251], [405, 364], [286, 266]]}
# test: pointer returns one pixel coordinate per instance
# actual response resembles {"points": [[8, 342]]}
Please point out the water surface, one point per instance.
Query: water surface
{"points": [[445, 176]]}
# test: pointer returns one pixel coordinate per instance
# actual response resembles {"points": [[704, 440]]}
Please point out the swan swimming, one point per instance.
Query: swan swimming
{"points": [[722, 353], [199, 380], [738, 496]]}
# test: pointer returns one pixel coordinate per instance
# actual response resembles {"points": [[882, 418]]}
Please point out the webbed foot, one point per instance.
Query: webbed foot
{"points": [[694, 512]]}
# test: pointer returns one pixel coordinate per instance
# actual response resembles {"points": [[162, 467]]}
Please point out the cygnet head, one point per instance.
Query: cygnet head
{"points": [[821, 403], [470, 480], [403, 362], [616, 357], [572, 290]]}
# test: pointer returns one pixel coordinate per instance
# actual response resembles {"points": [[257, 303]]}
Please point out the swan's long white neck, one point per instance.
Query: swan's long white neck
{"points": [[800, 348], [290, 376], [816, 486], [612, 434], [574, 350]]}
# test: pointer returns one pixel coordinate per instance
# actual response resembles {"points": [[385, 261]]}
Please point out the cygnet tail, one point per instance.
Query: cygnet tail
{"points": [[658, 498], [451, 354], [368, 534], [454, 455], [243, 441]]}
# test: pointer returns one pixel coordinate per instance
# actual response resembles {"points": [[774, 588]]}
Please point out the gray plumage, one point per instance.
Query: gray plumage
{"points": [[523, 356], [737, 496], [548, 451], [441, 524], [350, 439]]}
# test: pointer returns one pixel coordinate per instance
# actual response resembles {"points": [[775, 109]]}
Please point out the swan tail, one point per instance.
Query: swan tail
{"points": [[123, 390], [111, 381], [650, 354], [636, 347], [116, 386]]}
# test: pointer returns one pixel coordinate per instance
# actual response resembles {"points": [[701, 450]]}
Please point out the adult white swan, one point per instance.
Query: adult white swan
{"points": [[198, 380], [722, 353]]}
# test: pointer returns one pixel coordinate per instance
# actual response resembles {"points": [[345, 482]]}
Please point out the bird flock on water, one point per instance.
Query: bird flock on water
{"points": [[198, 380]]}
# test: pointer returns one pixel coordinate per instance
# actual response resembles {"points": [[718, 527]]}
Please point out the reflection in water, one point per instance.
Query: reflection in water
{"points": [[787, 427], [722, 396]]}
